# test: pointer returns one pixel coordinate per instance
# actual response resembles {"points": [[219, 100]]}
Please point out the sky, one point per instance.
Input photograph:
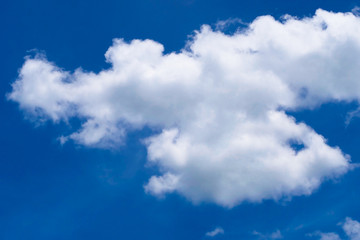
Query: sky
{"points": [[183, 119]]}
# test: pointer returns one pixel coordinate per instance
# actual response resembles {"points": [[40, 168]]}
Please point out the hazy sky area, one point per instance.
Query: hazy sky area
{"points": [[180, 120]]}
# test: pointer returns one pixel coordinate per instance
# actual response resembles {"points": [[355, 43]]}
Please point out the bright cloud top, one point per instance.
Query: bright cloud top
{"points": [[219, 102]]}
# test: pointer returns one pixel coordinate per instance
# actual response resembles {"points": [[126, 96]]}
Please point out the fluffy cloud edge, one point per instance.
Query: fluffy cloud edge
{"points": [[218, 102]]}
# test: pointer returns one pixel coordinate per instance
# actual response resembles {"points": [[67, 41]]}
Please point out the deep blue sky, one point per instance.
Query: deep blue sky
{"points": [[50, 191]]}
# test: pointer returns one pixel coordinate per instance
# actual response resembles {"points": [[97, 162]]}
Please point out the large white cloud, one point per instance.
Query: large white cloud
{"points": [[220, 105]]}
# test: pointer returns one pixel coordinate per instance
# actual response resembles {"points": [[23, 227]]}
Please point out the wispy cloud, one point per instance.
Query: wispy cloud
{"points": [[325, 236], [274, 235], [215, 232]]}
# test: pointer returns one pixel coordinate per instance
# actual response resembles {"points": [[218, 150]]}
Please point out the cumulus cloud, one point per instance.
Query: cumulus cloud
{"points": [[351, 228], [215, 232], [220, 105]]}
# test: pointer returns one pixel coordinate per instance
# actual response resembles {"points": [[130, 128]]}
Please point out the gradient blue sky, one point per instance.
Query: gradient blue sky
{"points": [[49, 191]]}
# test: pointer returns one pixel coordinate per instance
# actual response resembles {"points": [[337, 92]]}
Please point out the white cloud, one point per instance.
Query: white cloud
{"points": [[275, 235], [219, 102], [215, 232], [329, 236], [352, 229], [162, 184]]}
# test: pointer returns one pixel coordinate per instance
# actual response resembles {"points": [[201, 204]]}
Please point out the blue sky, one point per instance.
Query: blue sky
{"points": [[97, 185]]}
